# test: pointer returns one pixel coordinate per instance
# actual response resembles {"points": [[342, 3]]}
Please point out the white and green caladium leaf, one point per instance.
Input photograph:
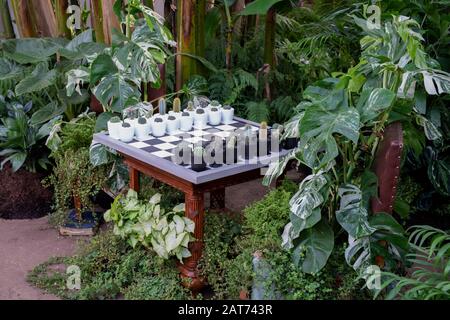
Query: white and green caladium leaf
{"points": [[75, 80], [314, 247], [26, 51], [317, 144], [353, 214], [155, 199], [113, 86], [38, 80], [372, 102]]}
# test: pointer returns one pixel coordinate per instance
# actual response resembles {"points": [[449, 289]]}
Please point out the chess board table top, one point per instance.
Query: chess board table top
{"points": [[156, 152]]}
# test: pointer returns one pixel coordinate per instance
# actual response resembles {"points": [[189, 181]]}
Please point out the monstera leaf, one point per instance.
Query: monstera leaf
{"points": [[314, 247], [317, 128], [31, 50], [113, 86], [373, 102], [141, 54], [38, 80], [352, 214]]}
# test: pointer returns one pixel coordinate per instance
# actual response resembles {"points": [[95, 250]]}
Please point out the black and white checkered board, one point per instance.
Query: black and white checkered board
{"points": [[162, 147]]}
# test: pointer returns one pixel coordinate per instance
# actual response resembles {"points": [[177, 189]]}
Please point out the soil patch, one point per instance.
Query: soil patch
{"points": [[22, 195]]}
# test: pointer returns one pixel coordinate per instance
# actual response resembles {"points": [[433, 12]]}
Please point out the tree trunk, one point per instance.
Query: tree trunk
{"points": [[104, 20], [97, 20], [43, 17], [23, 19], [269, 38], [61, 18], [5, 18], [190, 33]]}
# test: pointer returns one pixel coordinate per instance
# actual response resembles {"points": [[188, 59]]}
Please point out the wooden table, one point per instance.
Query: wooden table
{"points": [[193, 184]]}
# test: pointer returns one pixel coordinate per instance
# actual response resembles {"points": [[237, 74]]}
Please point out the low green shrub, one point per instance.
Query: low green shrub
{"points": [[229, 250], [110, 268]]}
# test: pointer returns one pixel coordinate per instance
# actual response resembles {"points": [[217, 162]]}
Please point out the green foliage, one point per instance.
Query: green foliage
{"points": [[36, 69], [229, 250], [22, 136], [340, 121], [429, 277], [110, 268], [167, 233], [74, 177]]}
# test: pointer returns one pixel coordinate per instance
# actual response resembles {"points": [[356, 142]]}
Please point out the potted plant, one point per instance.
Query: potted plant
{"points": [[75, 180], [190, 109], [126, 132], [186, 121], [176, 110], [172, 124], [198, 163], [159, 127], [214, 116], [132, 121], [114, 125], [200, 118], [142, 129], [227, 115], [162, 108], [214, 104]]}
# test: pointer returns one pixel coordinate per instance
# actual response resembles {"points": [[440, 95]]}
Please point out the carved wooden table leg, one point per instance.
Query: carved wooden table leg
{"points": [[217, 199], [134, 178], [195, 211]]}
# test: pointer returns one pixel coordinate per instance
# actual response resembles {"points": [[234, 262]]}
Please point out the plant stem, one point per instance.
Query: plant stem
{"points": [[8, 31]]}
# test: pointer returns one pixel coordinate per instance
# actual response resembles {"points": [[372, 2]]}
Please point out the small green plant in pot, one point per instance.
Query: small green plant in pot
{"points": [[74, 179]]}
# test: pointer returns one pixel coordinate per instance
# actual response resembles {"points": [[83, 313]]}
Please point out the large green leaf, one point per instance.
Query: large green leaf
{"points": [[113, 87], [352, 214], [258, 7], [141, 54], [9, 70], [82, 46], [30, 50], [373, 102], [317, 143], [308, 196], [314, 247], [38, 80], [46, 113]]}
